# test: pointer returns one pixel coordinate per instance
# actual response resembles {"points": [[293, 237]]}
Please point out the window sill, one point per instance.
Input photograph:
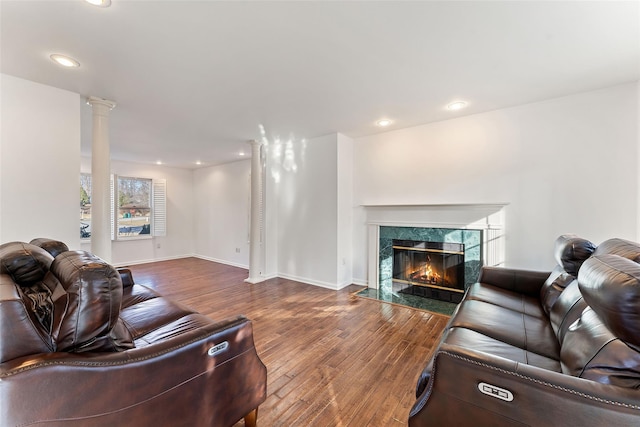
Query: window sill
{"points": [[129, 238]]}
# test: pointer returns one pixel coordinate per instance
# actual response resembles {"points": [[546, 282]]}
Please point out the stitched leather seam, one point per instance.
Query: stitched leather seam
{"points": [[119, 362], [545, 383]]}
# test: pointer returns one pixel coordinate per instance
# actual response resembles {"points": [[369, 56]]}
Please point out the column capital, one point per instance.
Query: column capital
{"points": [[254, 142], [94, 100]]}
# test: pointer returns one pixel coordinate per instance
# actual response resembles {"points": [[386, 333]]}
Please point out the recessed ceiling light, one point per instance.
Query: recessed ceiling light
{"points": [[100, 3], [65, 61], [383, 122], [456, 105], [241, 153], [198, 163], [158, 162]]}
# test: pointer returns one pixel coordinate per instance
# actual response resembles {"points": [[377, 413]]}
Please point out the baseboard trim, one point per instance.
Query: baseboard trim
{"points": [[360, 282], [327, 285], [221, 261], [148, 261]]}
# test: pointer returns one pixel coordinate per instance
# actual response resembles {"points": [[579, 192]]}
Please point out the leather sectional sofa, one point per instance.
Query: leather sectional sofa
{"points": [[542, 349], [82, 345]]}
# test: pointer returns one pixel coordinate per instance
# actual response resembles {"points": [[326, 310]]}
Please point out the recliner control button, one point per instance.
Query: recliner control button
{"points": [[494, 391]]}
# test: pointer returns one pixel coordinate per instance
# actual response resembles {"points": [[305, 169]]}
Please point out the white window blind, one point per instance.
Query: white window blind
{"points": [[113, 206], [160, 207]]}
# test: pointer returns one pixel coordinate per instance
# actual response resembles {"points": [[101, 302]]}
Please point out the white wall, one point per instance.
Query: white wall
{"points": [[307, 210], [221, 220], [39, 162], [563, 165], [179, 241]]}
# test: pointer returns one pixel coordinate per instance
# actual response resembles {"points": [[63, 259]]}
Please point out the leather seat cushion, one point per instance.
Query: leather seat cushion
{"points": [[521, 330], [179, 326], [480, 342], [142, 318], [504, 298], [136, 294]]}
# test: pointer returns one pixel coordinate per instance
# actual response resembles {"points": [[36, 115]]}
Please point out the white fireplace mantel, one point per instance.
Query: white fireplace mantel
{"points": [[449, 215], [434, 205]]}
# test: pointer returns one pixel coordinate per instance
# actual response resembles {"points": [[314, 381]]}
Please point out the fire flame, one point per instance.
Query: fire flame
{"points": [[424, 274]]}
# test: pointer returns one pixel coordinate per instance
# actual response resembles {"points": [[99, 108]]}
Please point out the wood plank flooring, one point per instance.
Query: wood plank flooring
{"points": [[333, 359]]}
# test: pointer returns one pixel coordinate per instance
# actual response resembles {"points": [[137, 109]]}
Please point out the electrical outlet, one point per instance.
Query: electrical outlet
{"points": [[237, 250], [157, 245]]}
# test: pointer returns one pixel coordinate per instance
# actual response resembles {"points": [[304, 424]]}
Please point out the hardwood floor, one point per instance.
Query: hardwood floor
{"points": [[333, 359]]}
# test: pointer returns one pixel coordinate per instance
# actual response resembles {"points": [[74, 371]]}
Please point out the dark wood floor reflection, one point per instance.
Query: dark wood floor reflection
{"points": [[333, 359]]}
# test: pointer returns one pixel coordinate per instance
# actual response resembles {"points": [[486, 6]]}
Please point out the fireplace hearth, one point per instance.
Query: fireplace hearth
{"points": [[429, 269]]}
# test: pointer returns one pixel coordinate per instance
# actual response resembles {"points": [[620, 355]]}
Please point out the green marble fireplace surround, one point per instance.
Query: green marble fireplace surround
{"points": [[471, 239], [473, 261]]}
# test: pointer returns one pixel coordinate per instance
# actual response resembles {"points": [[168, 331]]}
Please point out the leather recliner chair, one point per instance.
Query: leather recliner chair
{"points": [[82, 344]]}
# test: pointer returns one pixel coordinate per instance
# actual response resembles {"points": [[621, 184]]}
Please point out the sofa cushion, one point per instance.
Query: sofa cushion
{"points": [[570, 253], [553, 287], [136, 294], [610, 285], [530, 333], [566, 310], [92, 304], [142, 318], [591, 351], [602, 344], [505, 298], [26, 264], [480, 342]]}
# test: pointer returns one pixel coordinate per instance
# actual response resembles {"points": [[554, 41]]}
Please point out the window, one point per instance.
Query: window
{"points": [[133, 212], [85, 206], [138, 207]]}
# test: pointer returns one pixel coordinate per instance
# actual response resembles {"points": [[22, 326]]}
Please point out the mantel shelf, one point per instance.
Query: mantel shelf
{"points": [[436, 205]]}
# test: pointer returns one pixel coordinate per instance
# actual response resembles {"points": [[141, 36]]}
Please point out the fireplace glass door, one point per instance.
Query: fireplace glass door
{"points": [[429, 269]]}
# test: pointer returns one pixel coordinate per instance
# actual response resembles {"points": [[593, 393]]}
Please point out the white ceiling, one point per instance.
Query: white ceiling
{"points": [[195, 80]]}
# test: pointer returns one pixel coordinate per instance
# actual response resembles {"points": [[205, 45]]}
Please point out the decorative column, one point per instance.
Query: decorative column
{"points": [[255, 237], [101, 178]]}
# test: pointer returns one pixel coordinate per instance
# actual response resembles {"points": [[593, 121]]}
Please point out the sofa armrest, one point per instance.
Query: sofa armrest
{"points": [[208, 375], [526, 282], [539, 396]]}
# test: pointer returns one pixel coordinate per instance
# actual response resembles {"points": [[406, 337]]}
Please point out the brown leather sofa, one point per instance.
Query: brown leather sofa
{"points": [[542, 349], [82, 345]]}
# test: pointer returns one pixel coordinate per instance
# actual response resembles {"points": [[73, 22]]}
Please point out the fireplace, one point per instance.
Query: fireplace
{"points": [[429, 269]]}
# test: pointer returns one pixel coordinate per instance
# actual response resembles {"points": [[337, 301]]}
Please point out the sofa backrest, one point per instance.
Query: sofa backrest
{"points": [[624, 248], [570, 253], [68, 303], [566, 310], [54, 247], [603, 344], [27, 264], [93, 299], [23, 301]]}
